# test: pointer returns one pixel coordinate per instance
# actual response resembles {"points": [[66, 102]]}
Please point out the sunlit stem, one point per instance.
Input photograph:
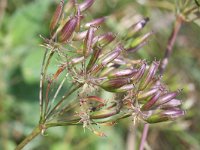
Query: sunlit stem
{"points": [[41, 86]]}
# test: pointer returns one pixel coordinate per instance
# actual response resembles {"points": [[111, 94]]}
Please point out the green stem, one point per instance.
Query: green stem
{"points": [[29, 138]]}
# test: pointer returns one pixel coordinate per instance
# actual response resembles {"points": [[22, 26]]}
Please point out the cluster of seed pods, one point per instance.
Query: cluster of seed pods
{"points": [[104, 65]]}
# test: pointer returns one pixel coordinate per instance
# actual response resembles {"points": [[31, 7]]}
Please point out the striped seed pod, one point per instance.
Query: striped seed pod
{"points": [[68, 29], [56, 16]]}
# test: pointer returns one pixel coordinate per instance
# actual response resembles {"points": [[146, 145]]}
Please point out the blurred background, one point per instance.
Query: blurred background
{"points": [[21, 23]]}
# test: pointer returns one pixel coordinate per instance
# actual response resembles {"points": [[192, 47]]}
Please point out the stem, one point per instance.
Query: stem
{"points": [[29, 138], [164, 63], [170, 45], [41, 85], [144, 136]]}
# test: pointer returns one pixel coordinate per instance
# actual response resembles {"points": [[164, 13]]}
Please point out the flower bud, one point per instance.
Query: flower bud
{"points": [[95, 22], [87, 46], [112, 84], [68, 29], [86, 4], [56, 16], [150, 103]]}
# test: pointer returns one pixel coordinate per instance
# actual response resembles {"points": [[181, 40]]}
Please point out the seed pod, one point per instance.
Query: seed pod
{"points": [[78, 14], [111, 55], [149, 76], [119, 61], [86, 4], [81, 35], [172, 103], [134, 49], [124, 88], [165, 98], [140, 73], [122, 73], [104, 39], [87, 46], [68, 29], [94, 57], [112, 84], [165, 115], [138, 41], [146, 94], [56, 16], [106, 70], [150, 103], [95, 22], [137, 27], [95, 98]]}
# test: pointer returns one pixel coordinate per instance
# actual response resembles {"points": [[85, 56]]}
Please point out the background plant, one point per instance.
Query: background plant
{"points": [[140, 53]]}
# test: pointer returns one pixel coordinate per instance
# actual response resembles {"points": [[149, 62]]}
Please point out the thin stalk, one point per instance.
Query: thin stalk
{"points": [[44, 76], [29, 138], [57, 92], [62, 100], [41, 85], [144, 136], [170, 45], [164, 63]]}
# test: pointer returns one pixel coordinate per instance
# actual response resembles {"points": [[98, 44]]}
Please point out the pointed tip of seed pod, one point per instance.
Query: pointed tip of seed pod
{"points": [[95, 22], [86, 4]]}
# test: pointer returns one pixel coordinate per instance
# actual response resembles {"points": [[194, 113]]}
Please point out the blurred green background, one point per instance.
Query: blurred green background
{"points": [[21, 23]]}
